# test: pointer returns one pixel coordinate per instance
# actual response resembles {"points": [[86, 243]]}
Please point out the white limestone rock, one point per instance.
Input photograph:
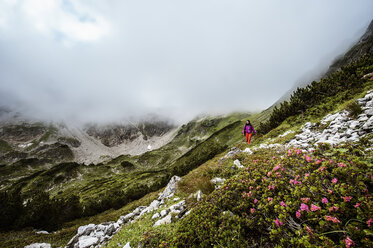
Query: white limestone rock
{"points": [[86, 230], [170, 189], [156, 216], [248, 151], [238, 164], [368, 124], [217, 180], [163, 212], [87, 241], [165, 220], [39, 245]]}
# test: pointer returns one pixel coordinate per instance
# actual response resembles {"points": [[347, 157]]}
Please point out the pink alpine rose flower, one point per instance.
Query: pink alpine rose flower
{"points": [[314, 208], [357, 205], [347, 198], [270, 199], [298, 214], [322, 168], [304, 207], [305, 200], [349, 242], [277, 167], [334, 180], [282, 203], [332, 219], [325, 200], [333, 209], [369, 222], [255, 201], [342, 165], [278, 222], [252, 210]]}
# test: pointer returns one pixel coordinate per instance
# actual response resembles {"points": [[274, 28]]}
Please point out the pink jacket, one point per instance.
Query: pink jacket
{"points": [[248, 129]]}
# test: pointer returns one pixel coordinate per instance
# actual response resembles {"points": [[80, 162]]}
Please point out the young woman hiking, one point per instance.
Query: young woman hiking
{"points": [[248, 130]]}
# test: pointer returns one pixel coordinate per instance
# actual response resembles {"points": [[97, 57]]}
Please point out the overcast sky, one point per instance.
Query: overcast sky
{"points": [[102, 60]]}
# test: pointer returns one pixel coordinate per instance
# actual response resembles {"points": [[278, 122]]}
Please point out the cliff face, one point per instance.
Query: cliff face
{"points": [[363, 46]]}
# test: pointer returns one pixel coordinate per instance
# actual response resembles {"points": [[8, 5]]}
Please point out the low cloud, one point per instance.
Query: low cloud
{"points": [[108, 60]]}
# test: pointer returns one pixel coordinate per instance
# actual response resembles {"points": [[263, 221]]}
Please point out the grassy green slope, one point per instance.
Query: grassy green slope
{"points": [[127, 178], [253, 224]]}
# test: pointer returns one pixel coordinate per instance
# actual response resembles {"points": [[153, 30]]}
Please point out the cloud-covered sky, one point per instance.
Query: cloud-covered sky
{"points": [[104, 60]]}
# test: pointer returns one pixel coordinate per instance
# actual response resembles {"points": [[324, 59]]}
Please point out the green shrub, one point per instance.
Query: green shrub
{"points": [[295, 200], [339, 86], [353, 109]]}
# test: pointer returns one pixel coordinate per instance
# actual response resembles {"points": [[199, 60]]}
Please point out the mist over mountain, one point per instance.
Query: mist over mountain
{"points": [[99, 62], [124, 124]]}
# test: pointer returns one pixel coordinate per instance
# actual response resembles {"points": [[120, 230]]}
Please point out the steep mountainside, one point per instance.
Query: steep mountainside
{"points": [[21, 138], [362, 47]]}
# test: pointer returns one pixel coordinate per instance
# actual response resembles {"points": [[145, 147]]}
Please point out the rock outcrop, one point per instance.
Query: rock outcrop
{"points": [[339, 127], [93, 235]]}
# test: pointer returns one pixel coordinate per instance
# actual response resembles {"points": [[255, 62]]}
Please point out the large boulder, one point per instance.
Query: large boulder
{"points": [[170, 189], [87, 241], [86, 230]]}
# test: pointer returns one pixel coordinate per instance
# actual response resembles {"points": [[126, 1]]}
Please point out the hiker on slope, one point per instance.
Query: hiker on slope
{"points": [[248, 130]]}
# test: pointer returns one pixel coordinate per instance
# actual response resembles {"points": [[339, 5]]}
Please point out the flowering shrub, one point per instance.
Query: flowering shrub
{"points": [[321, 199]]}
